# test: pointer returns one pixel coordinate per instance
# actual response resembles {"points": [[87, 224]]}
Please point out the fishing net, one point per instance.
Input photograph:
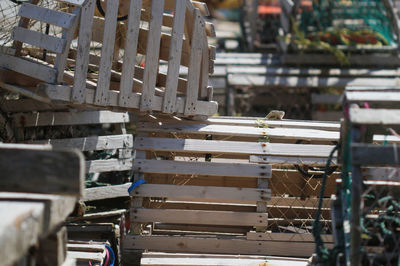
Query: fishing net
{"points": [[349, 22]]}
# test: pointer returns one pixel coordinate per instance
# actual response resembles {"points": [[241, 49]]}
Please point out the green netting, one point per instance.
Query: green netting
{"points": [[348, 22]]}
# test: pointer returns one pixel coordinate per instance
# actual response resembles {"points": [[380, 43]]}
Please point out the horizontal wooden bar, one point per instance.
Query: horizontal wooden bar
{"points": [[107, 192], [374, 116], [202, 168], [375, 155], [199, 217], [231, 147], [193, 193], [109, 165], [38, 39]]}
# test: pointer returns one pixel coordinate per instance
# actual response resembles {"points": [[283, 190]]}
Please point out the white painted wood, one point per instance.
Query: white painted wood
{"points": [[53, 17], [82, 57], [20, 228], [107, 192], [381, 173], [372, 96], [60, 92], [202, 168], [109, 165], [74, 2], [193, 193], [243, 131], [374, 116], [67, 35], [174, 57], [179, 244], [281, 160], [287, 123], [38, 39], [232, 147], [320, 82], [92, 143], [128, 67], [86, 256], [194, 65], [152, 60], [69, 118], [29, 68], [199, 217], [107, 53]]}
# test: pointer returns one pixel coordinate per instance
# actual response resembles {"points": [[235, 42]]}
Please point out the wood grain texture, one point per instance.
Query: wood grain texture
{"points": [[38, 39]]}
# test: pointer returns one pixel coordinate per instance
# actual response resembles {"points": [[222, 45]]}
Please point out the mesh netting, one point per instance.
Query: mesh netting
{"points": [[348, 22]]}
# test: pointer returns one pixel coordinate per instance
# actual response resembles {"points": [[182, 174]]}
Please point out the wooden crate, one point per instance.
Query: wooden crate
{"points": [[39, 189], [172, 31], [218, 187], [370, 113]]}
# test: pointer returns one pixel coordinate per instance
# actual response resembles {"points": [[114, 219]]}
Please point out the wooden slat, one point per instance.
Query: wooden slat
{"points": [[29, 68], [38, 39], [374, 116], [290, 160], [174, 57], [243, 131], [232, 147], [109, 165], [69, 118], [61, 92], [128, 67], [17, 239], [373, 96], [74, 2], [40, 170], [82, 57], [108, 192], [92, 143], [391, 174], [193, 193], [194, 65], [24, 92], [152, 60], [218, 246], [202, 168], [53, 17], [368, 154], [198, 217], [107, 53], [318, 82]]}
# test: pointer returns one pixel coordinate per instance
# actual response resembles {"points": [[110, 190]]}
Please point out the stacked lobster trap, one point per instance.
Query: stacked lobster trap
{"points": [[107, 54], [366, 218]]}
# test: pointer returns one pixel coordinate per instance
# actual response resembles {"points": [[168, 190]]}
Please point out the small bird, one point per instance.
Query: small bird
{"points": [[275, 115]]}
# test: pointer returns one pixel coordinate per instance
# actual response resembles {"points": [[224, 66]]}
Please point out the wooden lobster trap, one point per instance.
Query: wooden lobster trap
{"points": [[107, 54]]}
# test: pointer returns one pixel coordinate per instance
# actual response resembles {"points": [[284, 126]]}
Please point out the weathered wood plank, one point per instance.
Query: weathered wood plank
{"points": [[374, 116], [174, 57], [282, 160], [107, 53], [152, 59], [41, 171], [194, 65], [202, 168], [218, 246], [211, 193], [69, 118], [243, 131], [82, 57], [15, 240], [128, 67], [307, 237], [107, 192], [109, 165], [232, 147], [369, 154], [91, 143], [28, 67], [38, 39], [372, 96], [198, 217], [54, 17]]}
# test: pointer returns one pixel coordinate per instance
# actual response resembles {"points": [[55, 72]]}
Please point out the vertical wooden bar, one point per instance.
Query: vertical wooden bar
{"points": [[194, 65], [68, 35], [107, 52], [152, 54], [82, 56], [174, 58], [203, 93], [262, 205], [128, 68]]}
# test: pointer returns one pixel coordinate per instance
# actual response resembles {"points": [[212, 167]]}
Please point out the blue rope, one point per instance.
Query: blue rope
{"points": [[136, 184]]}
